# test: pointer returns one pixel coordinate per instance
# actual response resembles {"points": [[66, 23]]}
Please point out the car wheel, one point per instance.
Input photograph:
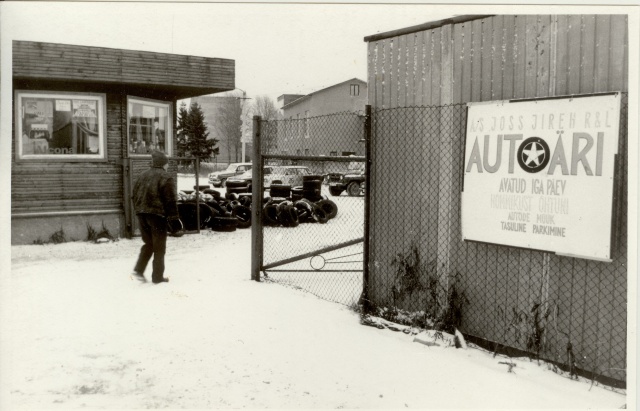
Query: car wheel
{"points": [[328, 207], [243, 214], [353, 189], [304, 211], [245, 200], [270, 214], [320, 216], [293, 216], [283, 213]]}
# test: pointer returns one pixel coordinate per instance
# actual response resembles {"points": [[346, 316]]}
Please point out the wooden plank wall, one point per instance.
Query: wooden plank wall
{"points": [[99, 64], [495, 58]]}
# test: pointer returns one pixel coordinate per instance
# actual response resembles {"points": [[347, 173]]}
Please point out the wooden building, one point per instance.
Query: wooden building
{"points": [[445, 64], [85, 120]]}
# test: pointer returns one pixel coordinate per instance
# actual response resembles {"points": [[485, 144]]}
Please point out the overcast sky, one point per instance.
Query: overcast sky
{"points": [[278, 48]]}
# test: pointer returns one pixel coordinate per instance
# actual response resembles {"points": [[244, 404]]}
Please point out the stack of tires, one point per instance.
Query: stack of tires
{"points": [[289, 206], [311, 187], [217, 213], [289, 212]]}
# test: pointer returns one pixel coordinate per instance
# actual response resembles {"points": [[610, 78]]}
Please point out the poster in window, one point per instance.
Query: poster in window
{"points": [[63, 105], [84, 108], [148, 111], [38, 108]]}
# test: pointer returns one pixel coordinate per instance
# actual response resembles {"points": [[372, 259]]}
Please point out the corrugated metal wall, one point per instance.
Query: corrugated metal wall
{"points": [[500, 57], [496, 58]]}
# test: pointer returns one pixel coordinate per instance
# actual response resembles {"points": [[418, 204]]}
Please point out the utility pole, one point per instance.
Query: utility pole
{"points": [[242, 139]]}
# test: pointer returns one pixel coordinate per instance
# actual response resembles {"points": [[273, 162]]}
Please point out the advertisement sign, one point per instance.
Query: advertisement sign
{"points": [[63, 105], [539, 174], [84, 108]]}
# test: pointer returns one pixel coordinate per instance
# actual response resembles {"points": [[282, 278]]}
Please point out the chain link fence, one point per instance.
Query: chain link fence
{"points": [[313, 212], [571, 312]]}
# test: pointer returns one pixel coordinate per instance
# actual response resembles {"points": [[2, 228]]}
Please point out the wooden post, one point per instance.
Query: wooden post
{"points": [[257, 190], [129, 213]]}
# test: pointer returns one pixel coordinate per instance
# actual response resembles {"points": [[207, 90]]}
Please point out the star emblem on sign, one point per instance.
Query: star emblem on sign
{"points": [[533, 154]]}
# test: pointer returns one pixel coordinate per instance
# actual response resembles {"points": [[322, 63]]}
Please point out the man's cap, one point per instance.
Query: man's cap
{"points": [[158, 158]]}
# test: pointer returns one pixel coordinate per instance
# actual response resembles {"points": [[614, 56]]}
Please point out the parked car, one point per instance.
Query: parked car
{"points": [[219, 178], [290, 175], [353, 181], [245, 178]]}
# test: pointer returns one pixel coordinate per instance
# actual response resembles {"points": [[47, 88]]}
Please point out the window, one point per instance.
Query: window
{"points": [[306, 151], [355, 90], [333, 153], [60, 126], [149, 125]]}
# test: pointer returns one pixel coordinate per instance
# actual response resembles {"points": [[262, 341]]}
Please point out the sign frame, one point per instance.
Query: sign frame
{"points": [[607, 180]]}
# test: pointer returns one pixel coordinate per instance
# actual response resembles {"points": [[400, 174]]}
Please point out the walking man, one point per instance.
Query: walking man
{"points": [[154, 199]]}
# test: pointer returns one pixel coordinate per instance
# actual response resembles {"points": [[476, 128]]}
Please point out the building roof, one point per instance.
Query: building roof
{"points": [[425, 26], [180, 75], [321, 90]]}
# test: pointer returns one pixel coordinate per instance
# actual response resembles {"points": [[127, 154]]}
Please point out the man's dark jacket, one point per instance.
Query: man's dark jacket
{"points": [[155, 193]]}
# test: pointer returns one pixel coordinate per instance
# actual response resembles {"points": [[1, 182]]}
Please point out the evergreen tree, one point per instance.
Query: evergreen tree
{"points": [[183, 118], [192, 133]]}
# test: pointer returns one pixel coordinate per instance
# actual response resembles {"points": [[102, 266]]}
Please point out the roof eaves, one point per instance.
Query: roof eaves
{"points": [[425, 26], [299, 100]]}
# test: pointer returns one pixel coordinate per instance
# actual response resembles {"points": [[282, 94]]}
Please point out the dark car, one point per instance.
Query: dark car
{"points": [[244, 179], [353, 181], [219, 178]]}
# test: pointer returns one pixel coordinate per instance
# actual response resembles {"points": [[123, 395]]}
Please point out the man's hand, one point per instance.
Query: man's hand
{"points": [[175, 227]]}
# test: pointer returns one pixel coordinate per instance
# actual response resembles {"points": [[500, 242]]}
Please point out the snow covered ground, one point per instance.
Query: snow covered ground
{"points": [[77, 332]]}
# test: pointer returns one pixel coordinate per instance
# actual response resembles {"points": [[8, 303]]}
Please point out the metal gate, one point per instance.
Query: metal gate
{"points": [[309, 230]]}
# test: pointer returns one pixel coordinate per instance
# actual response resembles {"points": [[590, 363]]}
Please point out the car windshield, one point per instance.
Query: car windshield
{"points": [[284, 170], [233, 167], [246, 174]]}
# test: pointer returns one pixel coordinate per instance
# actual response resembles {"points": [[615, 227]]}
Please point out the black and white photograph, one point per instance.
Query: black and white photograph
{"points": [[318, 205]]}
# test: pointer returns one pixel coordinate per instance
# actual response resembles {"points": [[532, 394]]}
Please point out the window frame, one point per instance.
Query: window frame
{"points": [[168, 132], [101, 103]]}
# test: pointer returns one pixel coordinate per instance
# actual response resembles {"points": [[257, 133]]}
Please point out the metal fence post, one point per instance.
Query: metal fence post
{"points": [[197, 187], [366, 304], [256, 202]]}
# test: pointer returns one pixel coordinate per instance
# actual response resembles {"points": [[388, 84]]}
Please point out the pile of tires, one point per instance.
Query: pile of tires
{"points": [[289, 212], [217, 213]]}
